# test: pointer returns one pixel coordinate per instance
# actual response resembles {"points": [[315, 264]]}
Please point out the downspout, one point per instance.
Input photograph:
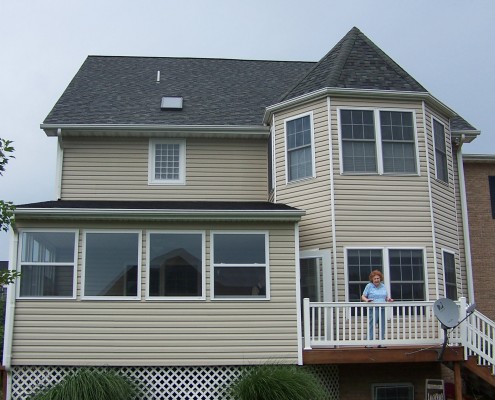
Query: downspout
{"points": [[60, 159], [299, 315], [465, 221], [9, 311]]}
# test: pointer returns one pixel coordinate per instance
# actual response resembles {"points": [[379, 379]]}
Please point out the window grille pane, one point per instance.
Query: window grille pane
{"points": [[111, 264], [440, 151], [398, 146], [360, 263], [167, 161], [358, 140], [299, 152], [450, 275], [176, 264], [407, 275]]}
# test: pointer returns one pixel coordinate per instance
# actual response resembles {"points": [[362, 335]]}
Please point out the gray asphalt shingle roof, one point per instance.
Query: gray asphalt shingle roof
{"points": [[123, 90]]}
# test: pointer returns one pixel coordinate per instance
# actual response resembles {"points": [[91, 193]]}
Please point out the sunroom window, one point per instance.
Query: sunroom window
{"points": [[176, 265], [240, 265], [112, 264], [47, 263]]}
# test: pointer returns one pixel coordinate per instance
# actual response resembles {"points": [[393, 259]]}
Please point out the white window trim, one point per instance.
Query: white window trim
{"points": [[390, 385], [74, 265], [378, 141], [447, 182], [182, 162], [266, 266], [83, 266], [203, 267], [386, 265], [444, 250], [313, 162]]}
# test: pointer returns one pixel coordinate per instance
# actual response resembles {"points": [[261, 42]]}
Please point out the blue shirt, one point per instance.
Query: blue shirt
{"points": [[377, 294]]}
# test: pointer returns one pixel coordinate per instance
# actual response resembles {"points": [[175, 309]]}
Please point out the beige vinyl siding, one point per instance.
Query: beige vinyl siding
{"points": [[448, 227], [117, 168], [157, 333], [387, 211], [311, 194]]}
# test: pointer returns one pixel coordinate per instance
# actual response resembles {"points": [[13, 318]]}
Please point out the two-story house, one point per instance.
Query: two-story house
{"points": [[200, 201]]}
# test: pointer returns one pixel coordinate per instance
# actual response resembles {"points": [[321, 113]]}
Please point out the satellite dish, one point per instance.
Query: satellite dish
{"points": [[446, 312]]}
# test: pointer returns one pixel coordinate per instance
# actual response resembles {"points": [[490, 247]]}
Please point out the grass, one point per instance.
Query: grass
{"points": [[277, 382], [88, 384]]}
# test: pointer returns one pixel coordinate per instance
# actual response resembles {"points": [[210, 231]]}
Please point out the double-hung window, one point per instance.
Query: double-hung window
{"points": [[299, 143], [403, 270], [167, 162], [176, 265], [442, 172], [48, 264], [240, 265], [112, 265], [377, 141], [449, 275]]}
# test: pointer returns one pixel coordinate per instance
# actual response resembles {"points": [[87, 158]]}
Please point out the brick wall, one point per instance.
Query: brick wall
{"points": [[482, 232]]}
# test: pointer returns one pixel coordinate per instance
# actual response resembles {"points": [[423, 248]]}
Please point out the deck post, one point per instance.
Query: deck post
{"points": [[307, 324], [457, 380]]}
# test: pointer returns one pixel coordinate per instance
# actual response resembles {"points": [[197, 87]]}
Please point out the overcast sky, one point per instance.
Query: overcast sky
{"points": [[447, 45]]}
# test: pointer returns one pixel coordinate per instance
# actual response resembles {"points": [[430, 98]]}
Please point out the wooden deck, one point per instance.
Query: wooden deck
{"points": [[391, 354]]}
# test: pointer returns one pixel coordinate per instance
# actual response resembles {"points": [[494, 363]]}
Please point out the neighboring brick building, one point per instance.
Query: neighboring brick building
{"points": [[479, 173]]}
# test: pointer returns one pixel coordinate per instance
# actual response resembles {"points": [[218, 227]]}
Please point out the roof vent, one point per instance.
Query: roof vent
{"points": [[171, 103]]}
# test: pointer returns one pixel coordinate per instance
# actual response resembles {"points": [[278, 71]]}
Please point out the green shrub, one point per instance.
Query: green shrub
{"points": [[88, 384], [277, 382]]}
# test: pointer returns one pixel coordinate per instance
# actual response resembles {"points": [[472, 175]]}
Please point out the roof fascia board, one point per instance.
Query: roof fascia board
{"points": [[155, 129], [343, 92], [153, 215]]}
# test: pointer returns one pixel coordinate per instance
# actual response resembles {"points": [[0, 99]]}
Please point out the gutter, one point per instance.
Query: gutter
{"points": [[157, 130], [159, 215], [342, 92], [465, 221]]}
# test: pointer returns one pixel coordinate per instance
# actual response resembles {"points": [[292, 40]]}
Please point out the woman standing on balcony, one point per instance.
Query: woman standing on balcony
{"points": [[376, 292]]}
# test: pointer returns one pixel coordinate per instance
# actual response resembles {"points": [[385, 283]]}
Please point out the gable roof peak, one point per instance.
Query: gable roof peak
{"points": [[355, 62]]}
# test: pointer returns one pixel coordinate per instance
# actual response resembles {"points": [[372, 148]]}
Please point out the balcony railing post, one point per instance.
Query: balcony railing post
{"points": [[307, 324]]}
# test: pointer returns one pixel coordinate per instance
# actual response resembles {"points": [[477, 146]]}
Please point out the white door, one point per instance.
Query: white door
{"points": [[315, 275]]}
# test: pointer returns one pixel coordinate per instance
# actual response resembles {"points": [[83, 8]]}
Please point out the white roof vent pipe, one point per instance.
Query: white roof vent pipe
{"points": [[157, 76]]}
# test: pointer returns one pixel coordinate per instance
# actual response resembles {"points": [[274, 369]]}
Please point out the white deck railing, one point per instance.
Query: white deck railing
{"points": [[348, 324], [480, 337]]}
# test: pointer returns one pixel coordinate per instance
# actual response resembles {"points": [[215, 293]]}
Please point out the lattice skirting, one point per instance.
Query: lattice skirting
{"points": [[161, 383]]}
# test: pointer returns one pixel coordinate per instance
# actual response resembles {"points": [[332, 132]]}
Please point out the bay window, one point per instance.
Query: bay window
{"points": [[377, 141]]}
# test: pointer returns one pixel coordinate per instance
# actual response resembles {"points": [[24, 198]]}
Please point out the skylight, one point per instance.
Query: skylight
{"points": [[171, 103]]}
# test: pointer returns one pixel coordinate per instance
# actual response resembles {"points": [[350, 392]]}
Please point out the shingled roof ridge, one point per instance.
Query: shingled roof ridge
{"points": [[346, 43], [332, 51]]}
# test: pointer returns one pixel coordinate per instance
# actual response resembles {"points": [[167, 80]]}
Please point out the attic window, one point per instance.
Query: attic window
{"points": [[171, 103]]}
